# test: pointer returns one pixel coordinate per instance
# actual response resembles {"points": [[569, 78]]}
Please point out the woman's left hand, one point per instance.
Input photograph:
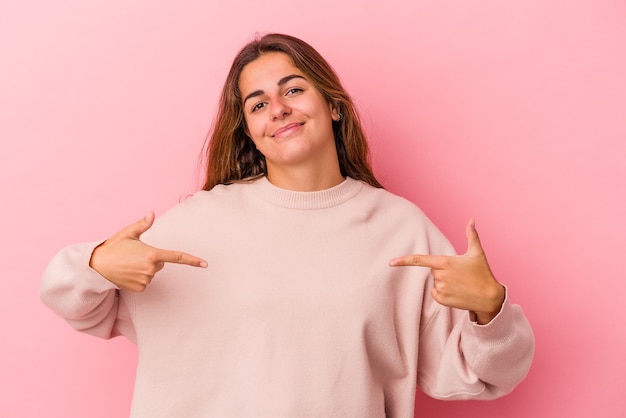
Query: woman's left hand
{"points": [[462, 282]]}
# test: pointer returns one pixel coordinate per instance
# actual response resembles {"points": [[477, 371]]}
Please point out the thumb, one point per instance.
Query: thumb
{"points": [[135, 230], [473, 240]]}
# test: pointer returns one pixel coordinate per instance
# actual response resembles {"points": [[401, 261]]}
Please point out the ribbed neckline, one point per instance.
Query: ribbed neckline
{"points": [[321, 199]]}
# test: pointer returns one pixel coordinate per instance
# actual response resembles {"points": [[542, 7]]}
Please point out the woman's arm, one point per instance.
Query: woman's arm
{"points": [[473, 342], [91, 285]]}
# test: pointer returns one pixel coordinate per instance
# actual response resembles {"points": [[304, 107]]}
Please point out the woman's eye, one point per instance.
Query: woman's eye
{"points": [[257, 106], [294, 90]]}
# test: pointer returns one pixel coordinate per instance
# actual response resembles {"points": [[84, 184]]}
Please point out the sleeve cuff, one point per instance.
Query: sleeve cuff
{"points": [[500, 327], [93, 281]]}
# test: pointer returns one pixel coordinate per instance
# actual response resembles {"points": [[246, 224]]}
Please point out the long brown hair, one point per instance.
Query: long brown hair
{"points": [[231, 154]]}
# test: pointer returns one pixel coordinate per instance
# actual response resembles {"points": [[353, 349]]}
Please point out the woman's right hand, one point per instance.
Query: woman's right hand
{"points": [[130, 264]]}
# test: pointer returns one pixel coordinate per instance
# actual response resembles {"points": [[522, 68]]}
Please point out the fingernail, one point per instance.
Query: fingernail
{"points": [[203, 264]]}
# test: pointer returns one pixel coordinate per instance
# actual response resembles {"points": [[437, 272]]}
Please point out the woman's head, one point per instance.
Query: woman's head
{"points": [[232, 155]]}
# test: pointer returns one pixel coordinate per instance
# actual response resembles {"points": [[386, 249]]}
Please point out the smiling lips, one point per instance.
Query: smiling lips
{"points": [[287, 130]]}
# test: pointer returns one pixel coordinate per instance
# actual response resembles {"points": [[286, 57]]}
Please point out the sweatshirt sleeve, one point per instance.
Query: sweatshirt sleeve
{"points": [[85, 299], [460, 359]]}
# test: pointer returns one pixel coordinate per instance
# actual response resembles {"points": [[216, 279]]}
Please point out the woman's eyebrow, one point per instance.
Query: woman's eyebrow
{"points": [[280, 83], [289, 77]]}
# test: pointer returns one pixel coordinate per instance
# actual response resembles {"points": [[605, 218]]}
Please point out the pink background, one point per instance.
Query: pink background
{"points": [[513, 112]]}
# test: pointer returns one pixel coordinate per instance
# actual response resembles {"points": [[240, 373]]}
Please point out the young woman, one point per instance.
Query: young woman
{"points": [[311, 291]]}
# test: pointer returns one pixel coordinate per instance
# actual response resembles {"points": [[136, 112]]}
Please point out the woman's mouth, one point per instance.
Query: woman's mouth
{"points": [[287, 130]]}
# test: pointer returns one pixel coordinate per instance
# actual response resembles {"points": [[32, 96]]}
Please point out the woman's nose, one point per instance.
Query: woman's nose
{"points": [[279, 109]]}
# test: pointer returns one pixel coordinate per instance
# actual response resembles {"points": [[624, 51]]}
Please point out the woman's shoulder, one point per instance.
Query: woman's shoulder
{"points": [[214, 201], [218, 195], [397, 213], [203, 210], [386, 199]]}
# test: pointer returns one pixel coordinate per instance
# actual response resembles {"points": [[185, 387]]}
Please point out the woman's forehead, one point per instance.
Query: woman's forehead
{"points": [[266, 71]]}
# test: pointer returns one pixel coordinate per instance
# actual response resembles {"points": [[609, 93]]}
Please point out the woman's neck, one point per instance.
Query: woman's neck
{"points": [[305, 179]]}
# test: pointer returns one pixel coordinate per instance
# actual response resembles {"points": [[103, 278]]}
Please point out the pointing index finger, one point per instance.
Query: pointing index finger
{"points": [[180, 257], [422, 260]]}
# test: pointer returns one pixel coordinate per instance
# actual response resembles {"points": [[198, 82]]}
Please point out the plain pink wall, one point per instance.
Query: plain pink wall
{"points": [[511, 112]]}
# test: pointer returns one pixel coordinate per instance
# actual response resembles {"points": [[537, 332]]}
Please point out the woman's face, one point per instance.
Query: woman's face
{"points": [[288, 119]]}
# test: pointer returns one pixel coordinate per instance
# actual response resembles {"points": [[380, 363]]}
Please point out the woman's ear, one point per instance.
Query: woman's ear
{"points": [[335, 111]]}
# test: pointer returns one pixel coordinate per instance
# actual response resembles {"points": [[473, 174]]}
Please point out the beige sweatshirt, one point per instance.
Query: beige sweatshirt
{"points": [[298, 313]]}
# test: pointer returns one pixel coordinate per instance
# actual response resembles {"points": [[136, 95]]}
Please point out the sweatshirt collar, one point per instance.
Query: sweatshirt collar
{"points": [[321, 199]]}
